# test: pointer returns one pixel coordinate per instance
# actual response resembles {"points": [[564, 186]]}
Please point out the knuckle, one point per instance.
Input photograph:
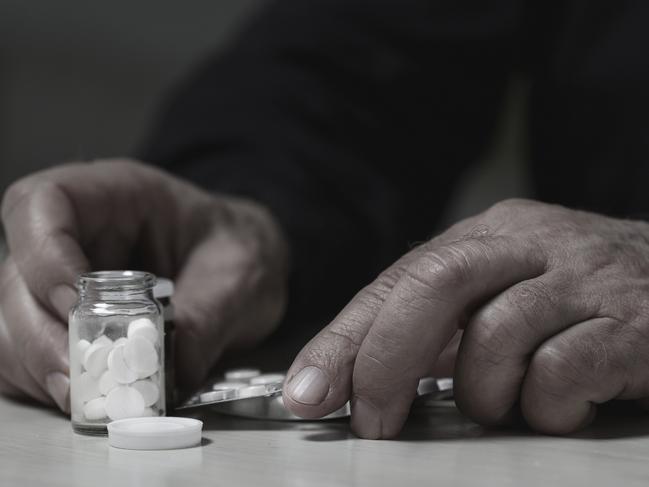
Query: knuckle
{"points": [[371, 297], [446, 265], [344, 337], [528, 300], [554, 371], [531, 293], [324, 357], [121, 164], [388, 279], [388, 359], [506, 210], [480, 230], [509, 204], [492, 334], [374, 376], [505, 323], [374, 295], [332, 350], [434, 276], [381, 364]]}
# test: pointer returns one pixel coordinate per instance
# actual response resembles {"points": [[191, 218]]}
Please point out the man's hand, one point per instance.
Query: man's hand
{"points": [[555, 309], [227, 256]]}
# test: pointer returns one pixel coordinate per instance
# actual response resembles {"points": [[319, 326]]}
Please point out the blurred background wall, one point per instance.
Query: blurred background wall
{"points": [[81, 79]]}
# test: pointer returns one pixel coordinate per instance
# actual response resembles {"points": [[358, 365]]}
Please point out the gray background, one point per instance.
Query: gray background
{"points": [[81, 79]]}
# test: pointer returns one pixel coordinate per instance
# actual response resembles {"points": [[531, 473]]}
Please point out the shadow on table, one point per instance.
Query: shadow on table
{"points": [[445, 423]]}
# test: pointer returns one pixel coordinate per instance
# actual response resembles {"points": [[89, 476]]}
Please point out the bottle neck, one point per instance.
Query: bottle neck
{"points": [[115, 295], [116, 286]]}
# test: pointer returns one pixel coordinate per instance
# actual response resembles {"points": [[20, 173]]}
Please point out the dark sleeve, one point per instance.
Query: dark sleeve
{"points": [[350, 119]]}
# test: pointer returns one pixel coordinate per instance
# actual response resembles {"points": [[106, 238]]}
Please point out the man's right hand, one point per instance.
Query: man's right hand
{"points": [[227, 256]]}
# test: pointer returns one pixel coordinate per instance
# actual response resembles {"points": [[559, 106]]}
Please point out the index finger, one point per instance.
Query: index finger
{"points": [[393, 331], [320, 378], [58, 220], [419, 318], [40, 224]]}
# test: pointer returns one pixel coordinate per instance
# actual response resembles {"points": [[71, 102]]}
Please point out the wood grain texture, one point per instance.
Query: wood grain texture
{"points": [[439, 447]]}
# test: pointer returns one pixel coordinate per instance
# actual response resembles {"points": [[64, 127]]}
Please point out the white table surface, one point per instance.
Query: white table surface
{"points": [[38, 447]]}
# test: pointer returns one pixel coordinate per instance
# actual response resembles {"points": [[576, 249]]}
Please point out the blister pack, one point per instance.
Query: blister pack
{"points": [[252, 394]]}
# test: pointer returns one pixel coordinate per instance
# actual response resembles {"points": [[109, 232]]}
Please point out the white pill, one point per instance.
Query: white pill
{"points": [[107, 382], [445, 384], [124, 402], [241, 374], [252, 391], [86, 388], [222, 386], [102, 340], [141, 356], [219, 395], [120, 341], [82, 346], [95, 360], [267, 379], [148, 413], [144, 328], [118, 367], [95, 410], [149, 390]]}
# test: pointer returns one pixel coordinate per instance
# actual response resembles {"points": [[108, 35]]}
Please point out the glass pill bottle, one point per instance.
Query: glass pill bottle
{"points": [[117, 358]]}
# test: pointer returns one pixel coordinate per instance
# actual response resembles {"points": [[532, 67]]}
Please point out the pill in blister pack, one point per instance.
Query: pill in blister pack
{"points": [[236, 385], [251, 394]]}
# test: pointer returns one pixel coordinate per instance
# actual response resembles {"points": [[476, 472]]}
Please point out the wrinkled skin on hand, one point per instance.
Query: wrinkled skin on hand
{"points": [[554, 304], [227, 256]]}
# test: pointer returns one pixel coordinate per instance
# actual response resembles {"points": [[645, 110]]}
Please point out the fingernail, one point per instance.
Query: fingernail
{"points": [[58, 385], [62, 298], [366, 420], [309, 386]]}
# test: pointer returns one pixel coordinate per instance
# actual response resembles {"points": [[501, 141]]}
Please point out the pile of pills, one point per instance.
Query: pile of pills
{"points": [[120, 379]]}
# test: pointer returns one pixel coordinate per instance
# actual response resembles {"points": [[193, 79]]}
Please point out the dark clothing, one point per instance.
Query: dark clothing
{"points": [[352, 120]]}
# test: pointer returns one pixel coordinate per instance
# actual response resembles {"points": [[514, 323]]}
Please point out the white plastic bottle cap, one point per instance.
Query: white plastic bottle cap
{"points": [[164, 288], [161, 433]]}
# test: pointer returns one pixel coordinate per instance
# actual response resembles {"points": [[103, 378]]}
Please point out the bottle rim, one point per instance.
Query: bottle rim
{"points": [[125, 280]]}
